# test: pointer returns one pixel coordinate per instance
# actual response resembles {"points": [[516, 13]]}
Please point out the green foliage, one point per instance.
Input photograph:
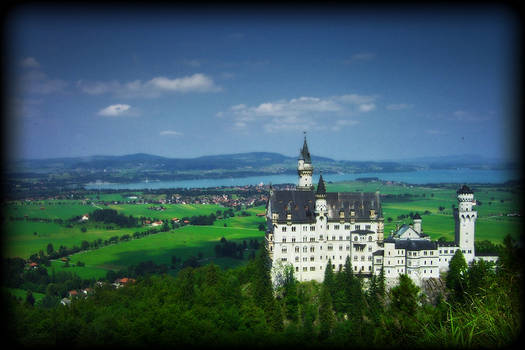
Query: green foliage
{"points": [[456, 275]]}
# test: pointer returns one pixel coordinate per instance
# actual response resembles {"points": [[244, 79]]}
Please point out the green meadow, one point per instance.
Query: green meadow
{"points": [[494, 203], [159, 248], [23, 238]]}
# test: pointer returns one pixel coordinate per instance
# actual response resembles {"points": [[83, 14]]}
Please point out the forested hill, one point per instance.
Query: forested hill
{"points": [[262, 162]]}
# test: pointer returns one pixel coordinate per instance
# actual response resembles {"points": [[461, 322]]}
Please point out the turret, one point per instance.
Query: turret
{"points": [[465, 219], [305, 169], [417, 223], [320, 197]]}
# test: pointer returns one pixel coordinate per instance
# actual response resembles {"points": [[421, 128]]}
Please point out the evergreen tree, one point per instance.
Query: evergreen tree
{"points": [[30, 299], [455, 280], [291, 299], [404, 296], [326, 314], [329, 278], [263, 290]]}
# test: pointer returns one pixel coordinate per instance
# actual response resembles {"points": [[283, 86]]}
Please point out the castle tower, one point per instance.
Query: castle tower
{"points": [[465, 219], [417, 223], [305, 169], [320, 198]]}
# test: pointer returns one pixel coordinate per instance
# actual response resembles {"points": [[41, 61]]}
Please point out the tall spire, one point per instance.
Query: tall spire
{"points": [[321, 188], [305, 154]]}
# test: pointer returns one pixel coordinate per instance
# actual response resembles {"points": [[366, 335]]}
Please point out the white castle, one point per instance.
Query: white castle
{"points": [[307, 228]]}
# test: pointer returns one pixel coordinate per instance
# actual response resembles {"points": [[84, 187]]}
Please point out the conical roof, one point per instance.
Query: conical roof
{"points": [[464, 190], [321, 188], [305, 154]]}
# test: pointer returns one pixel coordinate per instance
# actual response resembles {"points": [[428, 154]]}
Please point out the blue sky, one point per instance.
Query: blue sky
{"points": [[364, 83]]}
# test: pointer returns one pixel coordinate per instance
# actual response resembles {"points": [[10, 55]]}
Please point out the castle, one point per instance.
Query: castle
{"points": [[307, 228]]}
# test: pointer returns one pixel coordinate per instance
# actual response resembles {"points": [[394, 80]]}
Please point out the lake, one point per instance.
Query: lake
{"points": [[413, 177]]}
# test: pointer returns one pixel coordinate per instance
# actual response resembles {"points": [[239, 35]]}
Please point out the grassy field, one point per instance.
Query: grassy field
{"points": [[492, 223], [159, 248], [23, 238]]}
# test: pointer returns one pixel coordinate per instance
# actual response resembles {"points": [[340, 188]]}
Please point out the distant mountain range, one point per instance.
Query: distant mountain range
{"points": [[256, 162]]}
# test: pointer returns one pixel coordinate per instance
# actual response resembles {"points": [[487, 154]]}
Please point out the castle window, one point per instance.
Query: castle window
{"points": [[293, 239], [296, 259], [340, 248], [321, 237], [357, 227], [297, 268], [333, 238], [367, 227], [312, 239], [312, 249], [370, 238], [340, 238], [312, 228], [283, 229], [312, 268], [347, 227], [312, 258], [284, 250], [283, 259], [355, 238], [305, 269], [327, 227], [297, 249], [330, 247], [293, 228], [305, 239], [284, 239], [355, 257], [347, 238], [305, 249], [347, 247]]}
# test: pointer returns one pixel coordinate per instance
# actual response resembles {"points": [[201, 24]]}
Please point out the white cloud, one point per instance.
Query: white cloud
{"points": [[197, 82], [367, 107], [30, 62], [464, 116], [115, 110], [170, 133], [155, 87], [37, 82], [360, 56], [434, 131], [398, 107], [303, 113]]}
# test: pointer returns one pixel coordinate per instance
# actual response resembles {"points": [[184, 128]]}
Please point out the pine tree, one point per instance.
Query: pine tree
{"points": [[455, 280], [329, 278], [326, 314], [404, 296], [263, 290], [291, 299]]}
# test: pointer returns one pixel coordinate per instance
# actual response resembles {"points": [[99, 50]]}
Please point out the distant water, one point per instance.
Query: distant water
{"points": [[413, 177]]}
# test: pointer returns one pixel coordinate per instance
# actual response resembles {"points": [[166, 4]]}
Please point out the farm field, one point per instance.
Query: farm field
{"points": [[20, 238]]}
